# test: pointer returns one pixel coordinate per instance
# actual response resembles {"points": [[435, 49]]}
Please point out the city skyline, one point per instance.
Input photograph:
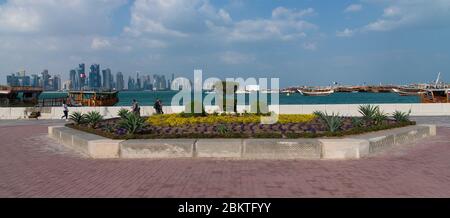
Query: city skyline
{"points": [[300, 42], [94, 79]]}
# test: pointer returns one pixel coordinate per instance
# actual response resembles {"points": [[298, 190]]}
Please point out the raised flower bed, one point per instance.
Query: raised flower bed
{"points": [[130, 126]]}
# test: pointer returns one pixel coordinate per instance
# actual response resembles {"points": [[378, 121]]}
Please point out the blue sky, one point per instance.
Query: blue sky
{"points": [[303, 42]]}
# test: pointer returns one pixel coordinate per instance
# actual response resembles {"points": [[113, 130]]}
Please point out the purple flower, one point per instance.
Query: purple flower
{"points": [[121, 131]]}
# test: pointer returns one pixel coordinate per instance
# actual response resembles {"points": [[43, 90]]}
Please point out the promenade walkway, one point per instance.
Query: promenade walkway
{"points": [[32, 165]]}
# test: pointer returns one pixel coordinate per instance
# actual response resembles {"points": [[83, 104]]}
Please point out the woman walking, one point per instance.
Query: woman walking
{"points": [[66, 111]]}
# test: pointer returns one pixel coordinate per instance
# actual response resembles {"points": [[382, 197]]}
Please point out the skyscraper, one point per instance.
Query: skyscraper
{"points": [[81, 76], [56, 82], [131, 85], [46, 80], [95, 79], [107, 79], [119, 81], [35, 80], [138, 84], [73, 80], [12, 80]]}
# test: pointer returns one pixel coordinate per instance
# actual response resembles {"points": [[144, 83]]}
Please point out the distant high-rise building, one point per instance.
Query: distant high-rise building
{"points": [[81, 80], [56, 83], [35, 80], [131, 85], [120, 84], [147, 83], [73, 80], [67, 85], [180, 84], [18, 79], [138, 84], [12, 80], [46, 80], [95, 79], [159, 82], [107, 79]]}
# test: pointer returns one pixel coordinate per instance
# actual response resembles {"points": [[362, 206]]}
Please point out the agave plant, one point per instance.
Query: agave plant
{"points": [[333, 122], [78, 118], [123, 113], [400, 116], [369, 111], [93, 118], [222, 129], [132, 123], [357, 122], [379, 117]]}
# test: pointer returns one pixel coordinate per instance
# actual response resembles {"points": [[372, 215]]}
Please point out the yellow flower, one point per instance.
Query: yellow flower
{"points": [[178, 120]]}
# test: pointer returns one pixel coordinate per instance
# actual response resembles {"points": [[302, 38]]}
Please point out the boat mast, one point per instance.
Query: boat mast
{"points": [[437, 79]]}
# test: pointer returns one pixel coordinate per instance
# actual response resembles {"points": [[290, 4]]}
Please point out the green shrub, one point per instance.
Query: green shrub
{"points": [[401, 116], [357, 122], [333, 122], [93, 118], [369, 111], [132, 123], [379, 117], [222, 129], [123, 113], [78, 118]]}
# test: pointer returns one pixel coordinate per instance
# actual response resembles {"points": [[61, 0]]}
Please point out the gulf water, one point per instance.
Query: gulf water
{"points": [[147, 98]]}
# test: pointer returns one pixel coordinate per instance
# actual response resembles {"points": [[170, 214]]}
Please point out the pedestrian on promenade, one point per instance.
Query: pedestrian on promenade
{"points": [[135, 108], [66, 111], [158, 106]]}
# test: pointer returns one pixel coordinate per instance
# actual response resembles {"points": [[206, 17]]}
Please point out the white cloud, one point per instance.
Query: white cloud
{"points": [[345, 33], [391, 11], [173, 17], [100, 43], [188, 19], [285, 13], [353, 8], [225, 16], [410, 13], [284, 24], [57, 17]]}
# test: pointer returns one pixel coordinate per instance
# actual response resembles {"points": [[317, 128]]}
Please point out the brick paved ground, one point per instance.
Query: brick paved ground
{"points": [[31, 165]]}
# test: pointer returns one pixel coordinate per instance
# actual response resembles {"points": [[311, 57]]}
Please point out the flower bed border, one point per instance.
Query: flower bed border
{"points": [[355, 131], [353, 147]]}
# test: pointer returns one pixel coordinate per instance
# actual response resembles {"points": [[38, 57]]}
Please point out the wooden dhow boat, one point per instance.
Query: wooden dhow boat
{"points": [[408, 91], [316, 91], [437, 93]]}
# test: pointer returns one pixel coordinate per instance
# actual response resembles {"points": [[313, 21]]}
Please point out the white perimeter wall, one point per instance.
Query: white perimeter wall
{"points": [[342, 109]]}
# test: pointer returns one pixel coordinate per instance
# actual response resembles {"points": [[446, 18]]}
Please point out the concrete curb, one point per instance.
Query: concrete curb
{"points": [[352, 147]]}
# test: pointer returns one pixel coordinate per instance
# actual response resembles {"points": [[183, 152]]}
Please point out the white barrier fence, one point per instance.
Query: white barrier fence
{"points": [[12, 113]]}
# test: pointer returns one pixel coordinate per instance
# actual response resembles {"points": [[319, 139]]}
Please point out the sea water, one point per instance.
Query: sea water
{"points": [[148, 98]]}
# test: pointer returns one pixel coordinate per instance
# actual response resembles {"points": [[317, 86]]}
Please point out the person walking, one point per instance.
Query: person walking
{"points": [[66, 111], [135, 108], [158, 106]]}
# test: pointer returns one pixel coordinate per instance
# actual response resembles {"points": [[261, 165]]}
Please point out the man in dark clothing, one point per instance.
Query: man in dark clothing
{"points": [[158, 107], [135, 108]]}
